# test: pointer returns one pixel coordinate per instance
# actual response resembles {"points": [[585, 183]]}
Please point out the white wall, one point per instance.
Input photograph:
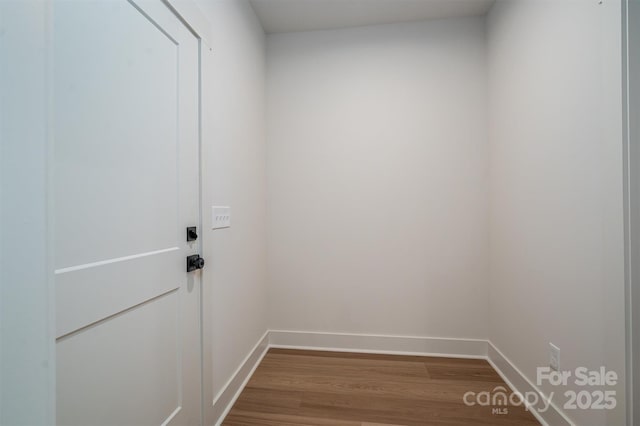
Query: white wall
{"points": [[27, 364], [233, 174], [377, 174], [556, 185]]}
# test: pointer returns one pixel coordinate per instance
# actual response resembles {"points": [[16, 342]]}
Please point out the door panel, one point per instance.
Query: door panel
{"points": [[103, 291], [126, 187], [138, 348], [117, 151]]}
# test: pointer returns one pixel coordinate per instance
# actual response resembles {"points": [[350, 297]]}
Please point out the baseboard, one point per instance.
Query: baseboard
{"points": [[382, 344], [519, 382], [225, 399]]}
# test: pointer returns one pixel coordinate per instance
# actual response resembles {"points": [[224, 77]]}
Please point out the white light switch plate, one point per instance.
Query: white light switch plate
{"points": [[221, 217]]}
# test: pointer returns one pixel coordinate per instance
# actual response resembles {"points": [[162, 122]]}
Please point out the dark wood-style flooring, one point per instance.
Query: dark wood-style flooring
{"points": [[292, 387]]}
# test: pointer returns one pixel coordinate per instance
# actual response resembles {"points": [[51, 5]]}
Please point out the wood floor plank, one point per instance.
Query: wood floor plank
{"points": [[369, 386], [309, 362], [242, 418], [407, 372], [464, 373], [391, 410], [317, 388]]}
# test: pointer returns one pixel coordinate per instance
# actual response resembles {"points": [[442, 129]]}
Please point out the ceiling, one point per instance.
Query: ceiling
{"points": [[280, 16]]}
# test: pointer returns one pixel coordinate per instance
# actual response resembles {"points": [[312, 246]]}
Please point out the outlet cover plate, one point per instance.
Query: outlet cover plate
{"points": [[221, 217], [554, 357]]}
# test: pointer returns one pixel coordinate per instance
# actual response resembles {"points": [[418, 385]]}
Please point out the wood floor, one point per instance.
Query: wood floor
{"points": [[331, 388]]}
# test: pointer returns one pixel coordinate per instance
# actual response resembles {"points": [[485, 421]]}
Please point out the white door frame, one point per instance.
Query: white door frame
{"points": [[631, 132], [196, 21], [27, 302]]}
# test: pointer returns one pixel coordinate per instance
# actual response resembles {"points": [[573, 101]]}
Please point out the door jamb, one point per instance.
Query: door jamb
{"points": [[631, 158], [188, 12]]}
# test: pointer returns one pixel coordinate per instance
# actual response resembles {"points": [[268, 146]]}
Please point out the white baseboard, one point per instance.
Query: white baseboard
{"points": [[381, 344], [225, 399], [518, 382], [372, 343]]}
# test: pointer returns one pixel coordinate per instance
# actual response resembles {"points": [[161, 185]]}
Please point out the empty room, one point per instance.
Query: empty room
{"points": [[319, 212]]}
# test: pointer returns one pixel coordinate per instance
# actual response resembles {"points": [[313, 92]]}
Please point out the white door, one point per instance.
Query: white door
{"points": [[126, 175]]}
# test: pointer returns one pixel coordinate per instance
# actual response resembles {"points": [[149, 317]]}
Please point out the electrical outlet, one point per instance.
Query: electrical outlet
{"points": [[221, 217], [554, 357]]}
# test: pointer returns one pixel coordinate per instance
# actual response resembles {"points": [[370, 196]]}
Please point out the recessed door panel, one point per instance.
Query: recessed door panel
{"points": [[114, 287], [116, 133], [124, 371]]}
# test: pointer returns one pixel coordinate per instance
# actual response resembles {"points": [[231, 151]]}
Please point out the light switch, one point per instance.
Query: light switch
{"points": [[221, 217]]}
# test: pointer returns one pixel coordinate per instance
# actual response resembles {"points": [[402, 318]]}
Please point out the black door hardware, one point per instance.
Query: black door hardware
{"points": [[194, 262], [192, 235]]}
